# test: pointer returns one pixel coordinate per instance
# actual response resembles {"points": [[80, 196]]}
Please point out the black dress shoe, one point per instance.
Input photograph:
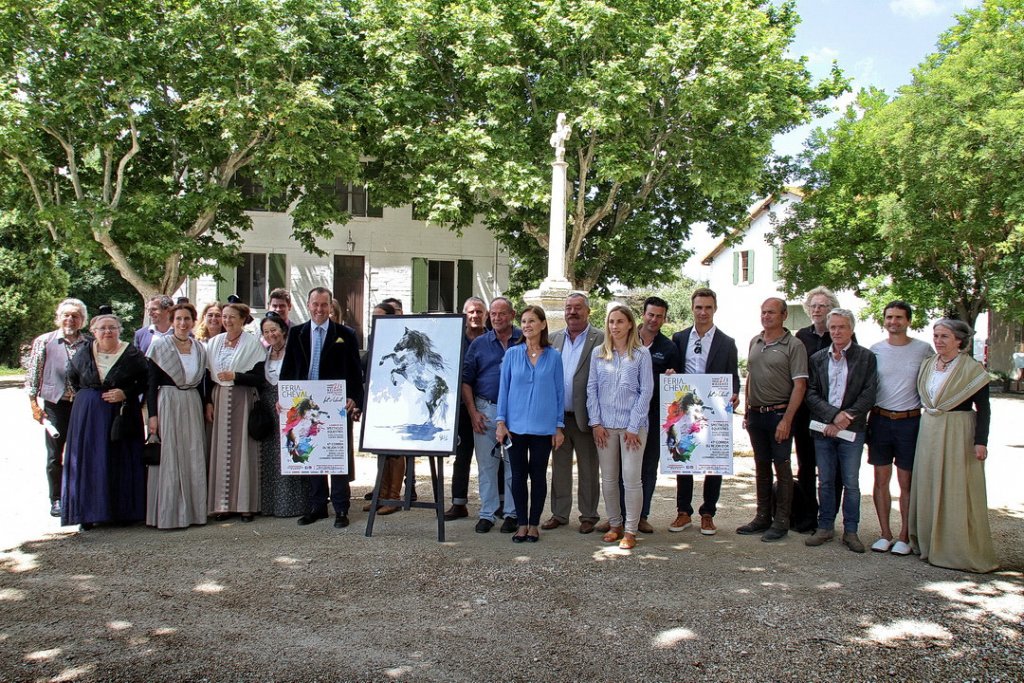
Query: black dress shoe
{"points": [[530, 538], [312, 517], [55, 508], [455, 512], [341, 521], [483, 526], [519, 539], [509, 525]]}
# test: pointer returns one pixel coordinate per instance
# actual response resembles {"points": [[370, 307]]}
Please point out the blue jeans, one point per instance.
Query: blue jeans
{"points": [[835, 454], [529, 455], [487, 466]]}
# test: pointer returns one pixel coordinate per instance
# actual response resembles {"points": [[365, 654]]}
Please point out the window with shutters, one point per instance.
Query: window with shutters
{"points": [[441, 286], [255, 277], [743, 267]]}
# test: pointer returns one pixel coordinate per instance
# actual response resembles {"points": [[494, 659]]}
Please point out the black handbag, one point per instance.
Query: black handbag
{"points": [[117, 426], [151, 451], [262, 421]]}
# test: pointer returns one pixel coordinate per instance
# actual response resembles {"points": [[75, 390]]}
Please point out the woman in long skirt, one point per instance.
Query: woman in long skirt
{"points": [[948, 515], [104, 479], [281, 496], [176, 488], [235, 359]]}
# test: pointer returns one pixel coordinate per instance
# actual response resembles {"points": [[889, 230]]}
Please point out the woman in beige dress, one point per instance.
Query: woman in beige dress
{"points": [[235, 361], [948, 504]]}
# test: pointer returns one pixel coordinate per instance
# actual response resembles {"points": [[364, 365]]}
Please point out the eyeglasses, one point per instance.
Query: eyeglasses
{"points": [[107, 329], [697, 348]]}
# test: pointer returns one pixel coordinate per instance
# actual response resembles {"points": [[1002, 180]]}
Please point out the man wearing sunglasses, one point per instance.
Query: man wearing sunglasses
{"points": [[704, 349]]}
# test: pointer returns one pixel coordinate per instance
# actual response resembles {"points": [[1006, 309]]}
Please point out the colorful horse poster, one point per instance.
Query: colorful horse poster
{"points": [[412, 399], [695, 430], [313, 427]]}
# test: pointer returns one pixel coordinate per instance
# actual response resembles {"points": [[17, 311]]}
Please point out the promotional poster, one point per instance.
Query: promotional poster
{"points": [[695, 429], [313, 424]]}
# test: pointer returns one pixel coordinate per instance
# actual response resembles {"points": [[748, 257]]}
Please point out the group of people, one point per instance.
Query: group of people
{"points": [[580, 395], [926, 412], [189, 385], [531, 398]]}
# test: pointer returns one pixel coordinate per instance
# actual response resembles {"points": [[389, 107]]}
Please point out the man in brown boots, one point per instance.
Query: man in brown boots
{"points": [[776, 384]]}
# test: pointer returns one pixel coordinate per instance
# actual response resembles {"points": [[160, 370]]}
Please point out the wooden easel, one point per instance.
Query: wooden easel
{"points": [[436, 484]]}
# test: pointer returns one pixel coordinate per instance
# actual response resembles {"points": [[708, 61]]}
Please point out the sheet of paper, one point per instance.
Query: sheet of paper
{"points": [[844, 434]]}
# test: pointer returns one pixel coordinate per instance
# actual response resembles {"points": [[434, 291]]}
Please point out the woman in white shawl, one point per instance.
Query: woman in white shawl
{"points": [[176, 488], [235, 360], [948, 514]]}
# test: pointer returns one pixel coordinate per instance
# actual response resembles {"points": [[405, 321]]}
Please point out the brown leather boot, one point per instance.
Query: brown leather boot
{"points": [[763, 519], [783, 501], [391, 486]]}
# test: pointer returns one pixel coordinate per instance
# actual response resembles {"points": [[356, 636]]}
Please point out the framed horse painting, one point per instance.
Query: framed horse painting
{"points": [[414, 370]]}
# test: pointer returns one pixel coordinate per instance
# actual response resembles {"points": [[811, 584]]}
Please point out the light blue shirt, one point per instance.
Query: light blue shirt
{"points": [[572, 354], [619, 390], [530, 396]]}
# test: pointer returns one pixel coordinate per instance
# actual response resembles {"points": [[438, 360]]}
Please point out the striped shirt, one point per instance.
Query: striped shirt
{"points": [[619, 390]]}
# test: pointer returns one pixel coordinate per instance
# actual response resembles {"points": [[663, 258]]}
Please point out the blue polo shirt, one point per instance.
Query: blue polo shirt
{"points": [[481, 369]]}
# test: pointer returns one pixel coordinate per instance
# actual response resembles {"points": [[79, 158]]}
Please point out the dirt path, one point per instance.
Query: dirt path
{"points": [[274, 601]]}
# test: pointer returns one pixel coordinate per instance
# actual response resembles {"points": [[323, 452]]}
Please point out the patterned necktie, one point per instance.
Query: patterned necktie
{"points": [[318, 344]]}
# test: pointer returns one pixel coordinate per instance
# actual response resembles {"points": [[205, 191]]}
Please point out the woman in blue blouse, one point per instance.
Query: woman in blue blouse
{"points": [[531, 405], [618, 396]]}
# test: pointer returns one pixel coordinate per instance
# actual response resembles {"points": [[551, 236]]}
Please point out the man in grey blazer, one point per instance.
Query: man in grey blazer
{"points": [[576, 344]]}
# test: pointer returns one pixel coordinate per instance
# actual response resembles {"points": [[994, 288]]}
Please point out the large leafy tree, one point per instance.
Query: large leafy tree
{"points": [[673, 105], [127, 124], [921, 196]]}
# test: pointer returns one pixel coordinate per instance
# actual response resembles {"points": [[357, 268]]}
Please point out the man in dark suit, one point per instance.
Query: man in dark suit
{"points": [[576, 343], [704, 350], [323, 349]]}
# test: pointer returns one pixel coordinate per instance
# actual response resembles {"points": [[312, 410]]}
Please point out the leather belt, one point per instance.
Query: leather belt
{"points": [[769, 409], [902, 415]]}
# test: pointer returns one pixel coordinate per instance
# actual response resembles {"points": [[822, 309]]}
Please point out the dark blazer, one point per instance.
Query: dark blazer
{"points": [[339, 357], [861, 386], [722, 355], [582, 375]]}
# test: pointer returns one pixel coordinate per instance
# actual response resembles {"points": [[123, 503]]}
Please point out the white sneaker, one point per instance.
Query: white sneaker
{"points": [[901, 548], [882, 545]]}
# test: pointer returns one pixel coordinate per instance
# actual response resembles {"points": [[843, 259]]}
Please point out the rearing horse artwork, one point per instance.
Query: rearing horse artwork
{"points": [[416, 362]]}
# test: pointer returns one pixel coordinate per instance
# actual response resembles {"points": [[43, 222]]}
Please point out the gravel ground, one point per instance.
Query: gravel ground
{"points": [[274, 601]]}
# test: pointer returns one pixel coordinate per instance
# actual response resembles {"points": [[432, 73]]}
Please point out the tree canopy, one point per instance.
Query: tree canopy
{"points": [[921, 196], [126, 125], [673, 106]]}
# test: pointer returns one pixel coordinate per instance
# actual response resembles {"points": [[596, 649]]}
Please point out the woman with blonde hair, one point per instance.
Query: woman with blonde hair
{"points": [[209, 324], [618, 397]]}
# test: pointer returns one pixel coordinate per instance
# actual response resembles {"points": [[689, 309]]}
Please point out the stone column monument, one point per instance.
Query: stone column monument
{"points": [[552, 291]]}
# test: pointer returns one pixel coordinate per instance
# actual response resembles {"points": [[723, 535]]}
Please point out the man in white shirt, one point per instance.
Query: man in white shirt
{"points": [[894, 421]]}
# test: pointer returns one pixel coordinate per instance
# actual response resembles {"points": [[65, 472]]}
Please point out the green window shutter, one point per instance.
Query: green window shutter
{"points": [[465, 282], [227, 285], [735, 267], [775, 263], [278, 276], [750, 266], [420, 277]]}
